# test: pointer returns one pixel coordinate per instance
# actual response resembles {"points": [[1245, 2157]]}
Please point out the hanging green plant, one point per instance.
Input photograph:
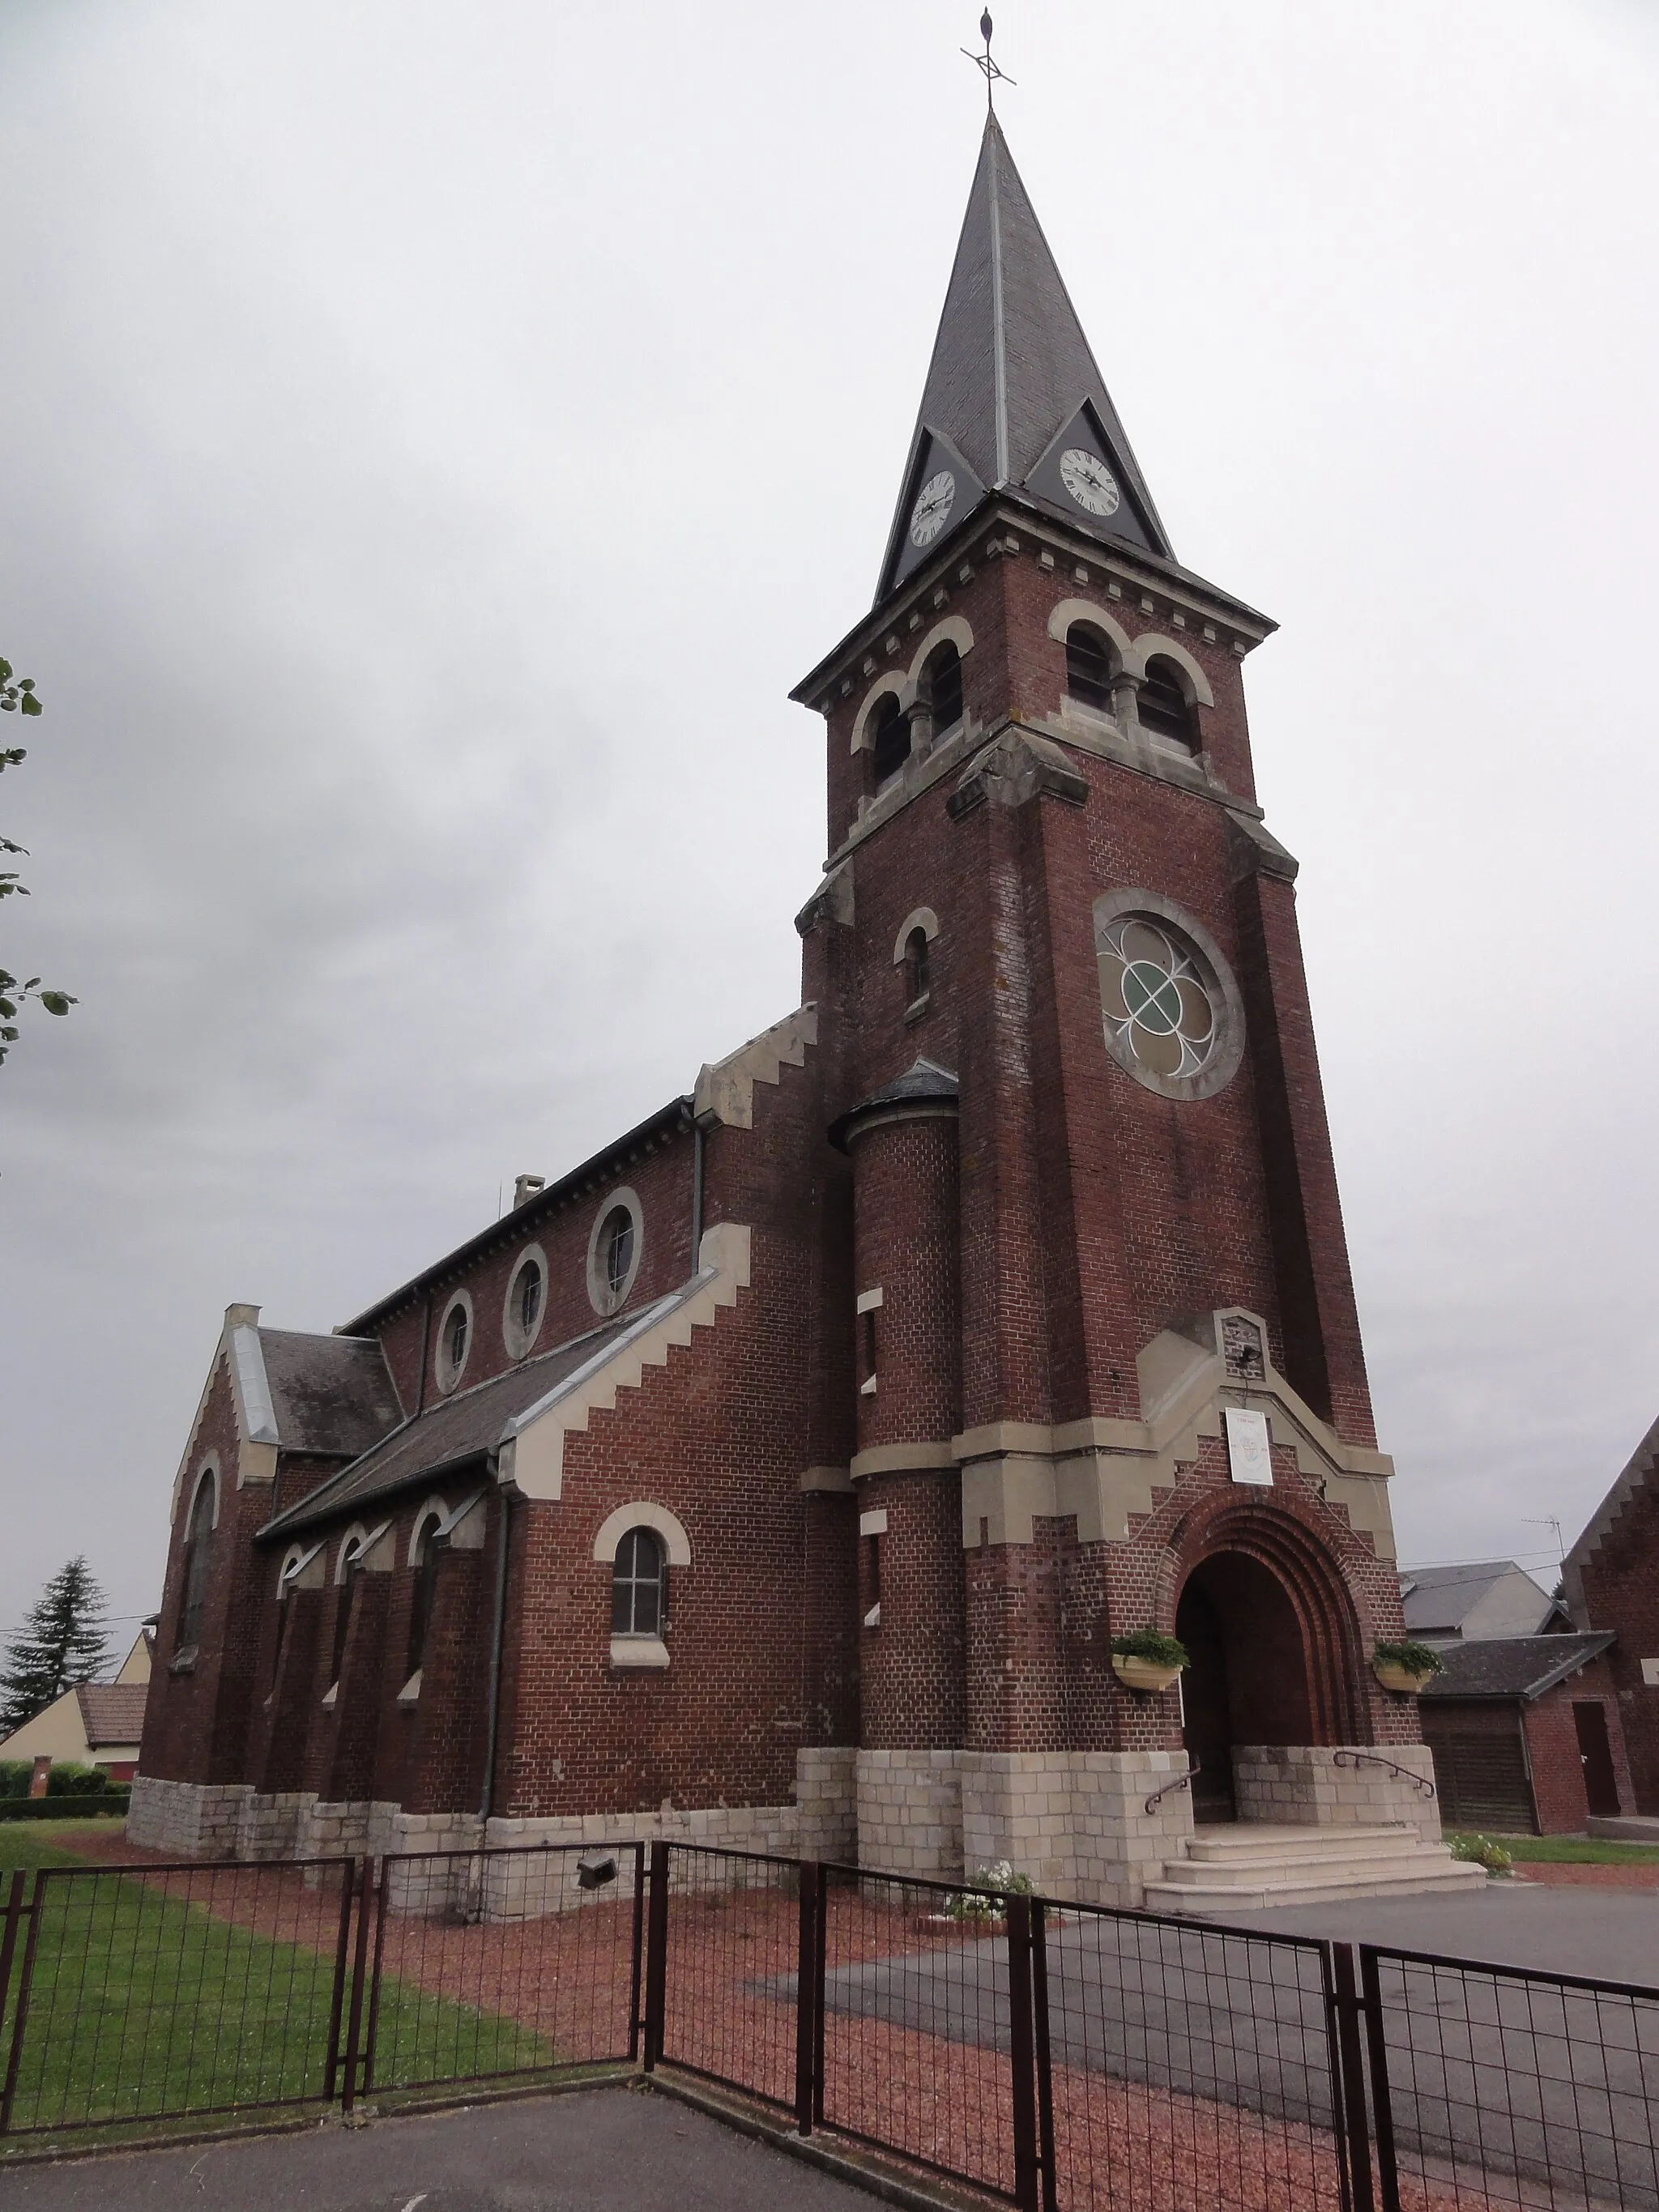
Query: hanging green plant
{"points": [[1405, 1667], [1152, 1644]]}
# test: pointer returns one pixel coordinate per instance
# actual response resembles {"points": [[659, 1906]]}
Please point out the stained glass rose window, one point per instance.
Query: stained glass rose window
{"points": [[1159, 1011]]}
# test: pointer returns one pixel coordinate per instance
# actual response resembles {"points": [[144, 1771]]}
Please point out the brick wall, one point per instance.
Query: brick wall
{"points": [[1620, 1584], [1552, 1733]]}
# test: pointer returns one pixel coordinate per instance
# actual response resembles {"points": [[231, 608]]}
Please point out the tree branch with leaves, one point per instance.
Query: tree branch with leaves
{"points": [[18, 696]]}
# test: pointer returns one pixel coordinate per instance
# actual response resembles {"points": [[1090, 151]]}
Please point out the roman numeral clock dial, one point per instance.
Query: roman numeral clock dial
{"points": [[1089, 480], [933, 508]]}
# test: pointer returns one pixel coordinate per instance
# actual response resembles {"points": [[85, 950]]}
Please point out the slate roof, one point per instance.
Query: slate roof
{"points": [[450, 1433], [1513, 1667], [922, 1079], [112, 1712], [331, 1394], [1011, 365], [1441, 1598]]}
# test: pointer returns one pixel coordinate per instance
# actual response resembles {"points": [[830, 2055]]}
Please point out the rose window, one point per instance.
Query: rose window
{"points": [[1159, 1012]]}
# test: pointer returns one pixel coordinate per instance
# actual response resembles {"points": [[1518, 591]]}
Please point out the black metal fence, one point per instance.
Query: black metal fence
{"points": [[1055, 2054]]}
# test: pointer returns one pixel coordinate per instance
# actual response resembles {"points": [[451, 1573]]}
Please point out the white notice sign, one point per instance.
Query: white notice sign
{"points": [[1249, 1454]]}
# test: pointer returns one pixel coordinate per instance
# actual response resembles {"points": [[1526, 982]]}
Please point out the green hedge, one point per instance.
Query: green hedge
{"points": [[15, 1776], [114, 1801], [68, 1780]]}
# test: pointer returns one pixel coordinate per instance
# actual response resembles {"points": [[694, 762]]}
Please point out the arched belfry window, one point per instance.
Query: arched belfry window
{"points": [[890, 743], [639, 1587], [942, 687], [198, 1545], [1166, 708], [1089, 666]]}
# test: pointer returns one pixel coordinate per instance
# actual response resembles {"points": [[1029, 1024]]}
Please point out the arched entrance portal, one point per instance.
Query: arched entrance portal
{"points": [[1248, 1679]]}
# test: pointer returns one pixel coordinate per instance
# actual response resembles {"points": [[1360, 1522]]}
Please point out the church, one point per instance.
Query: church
{"points": [[784, 1474]]}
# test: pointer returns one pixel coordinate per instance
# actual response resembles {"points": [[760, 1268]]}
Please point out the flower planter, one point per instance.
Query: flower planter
{"points": [[1400, 1679], [1143, 1674]]}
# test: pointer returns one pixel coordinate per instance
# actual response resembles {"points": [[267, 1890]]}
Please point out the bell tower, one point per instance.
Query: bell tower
{"points": [[1106, 1368]]}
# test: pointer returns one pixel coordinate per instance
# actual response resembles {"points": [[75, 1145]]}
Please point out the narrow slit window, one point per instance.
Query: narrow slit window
{"points": [[198, 1548], [423, 1596], [916, 976]]}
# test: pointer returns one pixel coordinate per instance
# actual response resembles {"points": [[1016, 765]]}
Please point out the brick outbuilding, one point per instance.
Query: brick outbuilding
{"points": [[784, 1472], [1526, 1735]]}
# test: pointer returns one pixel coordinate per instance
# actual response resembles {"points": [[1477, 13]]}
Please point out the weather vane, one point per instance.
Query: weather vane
{"points": [[993, 75]]}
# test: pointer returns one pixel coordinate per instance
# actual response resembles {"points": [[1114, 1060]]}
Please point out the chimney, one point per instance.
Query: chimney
{"points": [[526, 1186]]}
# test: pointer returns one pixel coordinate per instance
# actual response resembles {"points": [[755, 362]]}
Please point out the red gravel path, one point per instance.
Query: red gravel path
{"points": [[1120, 2147], [1630, 1875]]}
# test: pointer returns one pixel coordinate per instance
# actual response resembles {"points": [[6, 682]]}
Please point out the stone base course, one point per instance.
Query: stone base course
{"points": [[1076, 1822]]}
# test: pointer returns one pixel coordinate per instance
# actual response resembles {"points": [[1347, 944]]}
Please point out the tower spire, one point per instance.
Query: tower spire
{"points": [[1014, 399]]}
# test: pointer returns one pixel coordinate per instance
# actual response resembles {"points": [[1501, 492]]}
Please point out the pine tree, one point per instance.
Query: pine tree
{"points": [[64, 1641]]}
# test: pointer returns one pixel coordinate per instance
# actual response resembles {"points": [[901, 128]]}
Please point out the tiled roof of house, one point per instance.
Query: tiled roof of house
{"points": [[1521, 1667], [112, 1712]]}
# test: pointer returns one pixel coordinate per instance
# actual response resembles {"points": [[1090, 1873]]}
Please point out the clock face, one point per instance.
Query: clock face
{"points": [[933, 508], [1090, 482]]}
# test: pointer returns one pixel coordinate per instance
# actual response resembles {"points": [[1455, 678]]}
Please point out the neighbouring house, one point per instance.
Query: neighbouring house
{"points": [[1611, 1580], [782, 1474], [96, 1724], [1445, 1605], [1526, 1735]]}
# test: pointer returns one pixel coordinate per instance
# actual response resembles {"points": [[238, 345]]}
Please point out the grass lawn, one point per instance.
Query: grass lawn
{"points": [[1572, 1851], [143, 2002], [39, 1843]]}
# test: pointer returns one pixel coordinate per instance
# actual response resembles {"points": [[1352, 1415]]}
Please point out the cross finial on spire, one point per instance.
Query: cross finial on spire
{"points": [[993, 75]]}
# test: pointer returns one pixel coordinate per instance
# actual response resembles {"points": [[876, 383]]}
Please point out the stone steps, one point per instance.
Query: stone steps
{"points": [[1249, 1866]]}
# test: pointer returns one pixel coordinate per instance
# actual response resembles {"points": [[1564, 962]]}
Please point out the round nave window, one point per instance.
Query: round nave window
{"points": [[1173, 1020]]}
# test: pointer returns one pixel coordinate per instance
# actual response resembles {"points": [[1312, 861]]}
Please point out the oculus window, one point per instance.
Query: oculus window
{"points": [[1174, 1019]]}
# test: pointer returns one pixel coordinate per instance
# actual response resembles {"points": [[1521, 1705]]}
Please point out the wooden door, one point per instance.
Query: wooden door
{"points": [[1596, 1757]]}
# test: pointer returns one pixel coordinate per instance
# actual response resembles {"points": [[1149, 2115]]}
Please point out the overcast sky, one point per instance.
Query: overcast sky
{"points": [[433, 437]]}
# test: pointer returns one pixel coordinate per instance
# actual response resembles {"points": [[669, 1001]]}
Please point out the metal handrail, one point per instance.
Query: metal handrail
{"points": [[1181, 1782], [1347, 1757]]}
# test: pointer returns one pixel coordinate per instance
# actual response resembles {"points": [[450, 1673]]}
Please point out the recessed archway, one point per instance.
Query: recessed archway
{"points": [[1248, 1679], [1275, 1647]]}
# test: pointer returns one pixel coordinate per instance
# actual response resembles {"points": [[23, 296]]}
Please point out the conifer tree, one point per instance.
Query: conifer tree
{"points": [[64, 1641]]}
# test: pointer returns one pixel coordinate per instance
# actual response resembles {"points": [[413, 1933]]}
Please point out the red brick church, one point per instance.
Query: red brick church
{"points": [[783, 1474]]}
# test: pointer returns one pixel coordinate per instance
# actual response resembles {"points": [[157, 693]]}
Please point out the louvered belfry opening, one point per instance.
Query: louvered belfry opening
{"points": [[891, 746], [942, 679], [1165, 709], [1089, 666]]}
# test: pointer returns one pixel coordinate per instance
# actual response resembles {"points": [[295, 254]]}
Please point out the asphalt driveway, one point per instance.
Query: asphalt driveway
{"points": [[1486, 2069], [567, 2153]]}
